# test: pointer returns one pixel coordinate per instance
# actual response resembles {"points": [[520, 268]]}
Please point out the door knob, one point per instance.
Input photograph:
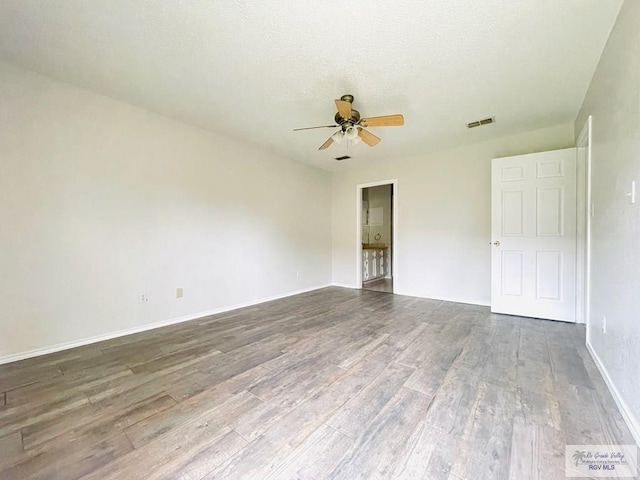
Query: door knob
{"points": [[496, 243]]}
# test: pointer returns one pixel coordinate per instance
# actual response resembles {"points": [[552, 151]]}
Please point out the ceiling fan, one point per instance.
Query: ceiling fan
{"points": [[352, 126]]}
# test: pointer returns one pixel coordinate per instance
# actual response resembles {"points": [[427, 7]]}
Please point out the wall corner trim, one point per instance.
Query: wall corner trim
{"points": [[627, 415], [150, 326]]}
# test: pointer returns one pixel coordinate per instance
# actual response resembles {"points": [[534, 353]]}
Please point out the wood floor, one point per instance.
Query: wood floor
{"points": [[380, 285], [335, 383]]}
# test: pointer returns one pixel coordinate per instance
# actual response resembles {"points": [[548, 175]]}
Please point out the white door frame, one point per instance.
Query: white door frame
{"points": [[585, 211], [394, 227]]}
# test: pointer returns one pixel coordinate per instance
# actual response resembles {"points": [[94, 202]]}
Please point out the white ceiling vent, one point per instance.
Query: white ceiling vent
{"points": [[479, 123]]}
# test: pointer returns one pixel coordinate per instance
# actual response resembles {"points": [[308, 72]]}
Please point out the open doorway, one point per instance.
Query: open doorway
{"points": [[377, 237]]}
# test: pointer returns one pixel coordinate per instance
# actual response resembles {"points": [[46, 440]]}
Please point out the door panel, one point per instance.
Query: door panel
{"points": [[512, 213], [549, 276], [549, 211], [512, 273], [534, 234]]}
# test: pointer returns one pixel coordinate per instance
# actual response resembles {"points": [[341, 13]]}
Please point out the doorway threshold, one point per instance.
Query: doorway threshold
{"points": [[379, 285]]}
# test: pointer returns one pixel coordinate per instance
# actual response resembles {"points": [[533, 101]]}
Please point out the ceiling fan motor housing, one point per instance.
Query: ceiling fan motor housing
{"points": [[345, 122]]}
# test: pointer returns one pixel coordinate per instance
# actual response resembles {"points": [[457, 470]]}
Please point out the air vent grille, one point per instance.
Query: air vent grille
{"points": [[344, 157], [479, 123]]}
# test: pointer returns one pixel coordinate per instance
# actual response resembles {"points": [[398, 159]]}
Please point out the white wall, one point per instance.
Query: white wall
{"points": [[101, 201], [614, 101], [443, 216]]}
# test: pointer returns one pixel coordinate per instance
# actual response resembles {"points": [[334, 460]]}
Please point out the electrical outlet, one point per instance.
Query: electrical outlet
{"points": [[142, 298], [297, 273], [604, 324], [179, 292]]}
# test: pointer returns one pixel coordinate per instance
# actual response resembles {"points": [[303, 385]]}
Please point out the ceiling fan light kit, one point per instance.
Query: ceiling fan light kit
{"points": [[351, 132], [352, 125]]}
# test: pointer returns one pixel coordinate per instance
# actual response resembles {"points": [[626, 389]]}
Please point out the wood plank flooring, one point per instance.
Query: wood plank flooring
{"points": [[380, 285], [331, 384]]}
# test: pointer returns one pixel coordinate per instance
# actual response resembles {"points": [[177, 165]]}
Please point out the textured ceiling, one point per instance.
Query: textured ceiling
{"points": [[254, 70]]}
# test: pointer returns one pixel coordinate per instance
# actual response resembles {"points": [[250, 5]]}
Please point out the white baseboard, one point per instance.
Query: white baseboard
{"points": [[460, 300], [628, 416], [344, 285], [466, 301], [143, 328], [444, 299]]}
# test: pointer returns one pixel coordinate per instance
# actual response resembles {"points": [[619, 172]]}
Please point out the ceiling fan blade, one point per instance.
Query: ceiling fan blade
{"points": [[311, 128], [368, 137], [344, 109], [384, 121], [326, 144]]}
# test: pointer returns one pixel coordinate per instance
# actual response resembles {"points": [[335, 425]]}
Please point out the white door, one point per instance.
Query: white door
{"points": [[533, 226]]}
